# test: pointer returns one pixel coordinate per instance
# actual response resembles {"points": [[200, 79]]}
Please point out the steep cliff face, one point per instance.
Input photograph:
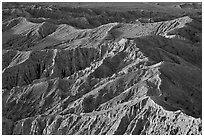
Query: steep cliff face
{"points": [[118, 78]]}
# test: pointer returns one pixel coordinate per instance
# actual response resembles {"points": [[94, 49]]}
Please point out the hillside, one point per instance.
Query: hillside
{"points": [[88, 71]]}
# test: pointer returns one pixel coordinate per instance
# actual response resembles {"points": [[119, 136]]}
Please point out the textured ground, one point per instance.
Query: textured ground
{"points": [[126, 74]]}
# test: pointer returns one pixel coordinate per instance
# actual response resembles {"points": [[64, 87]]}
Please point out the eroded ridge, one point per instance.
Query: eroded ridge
{"points": [[117, 78]]}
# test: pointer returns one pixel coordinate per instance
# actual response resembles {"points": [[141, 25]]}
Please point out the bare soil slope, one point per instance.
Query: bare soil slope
{"points": [[116, 77]]}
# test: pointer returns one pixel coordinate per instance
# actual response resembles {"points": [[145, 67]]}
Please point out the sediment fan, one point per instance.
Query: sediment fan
{"points": [[122, 76]]}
